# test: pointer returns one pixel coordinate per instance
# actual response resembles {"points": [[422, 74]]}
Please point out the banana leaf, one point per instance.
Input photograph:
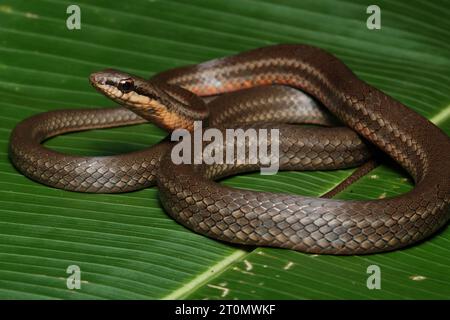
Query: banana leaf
{"points": [[125, 245]]}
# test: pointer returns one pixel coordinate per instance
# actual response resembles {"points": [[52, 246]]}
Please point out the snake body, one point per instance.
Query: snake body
{"points": [[138, 170], [282, 220]]}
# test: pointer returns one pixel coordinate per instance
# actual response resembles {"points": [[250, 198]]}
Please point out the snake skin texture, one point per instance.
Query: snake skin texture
{"points": [[109, 174], [303, 223], [137, 170]]}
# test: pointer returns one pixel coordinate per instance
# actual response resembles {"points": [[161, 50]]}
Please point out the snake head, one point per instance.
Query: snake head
{"points": [[168, 106], [122, 87]]}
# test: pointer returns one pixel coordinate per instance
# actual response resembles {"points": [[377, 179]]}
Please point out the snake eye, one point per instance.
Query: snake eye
{"points": [[126, 85]]}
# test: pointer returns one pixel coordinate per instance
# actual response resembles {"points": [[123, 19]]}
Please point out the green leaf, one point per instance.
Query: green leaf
{"points": [[125, 245]]}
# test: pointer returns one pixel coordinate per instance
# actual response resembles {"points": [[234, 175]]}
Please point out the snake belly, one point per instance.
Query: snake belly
{"points": [[304, 223]]}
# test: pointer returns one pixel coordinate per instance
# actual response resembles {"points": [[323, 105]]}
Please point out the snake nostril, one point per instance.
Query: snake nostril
{"points": [[93, 78], [97, 78]]}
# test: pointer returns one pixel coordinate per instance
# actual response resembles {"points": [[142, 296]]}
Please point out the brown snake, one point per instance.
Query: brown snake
{"points": [[259, 218]]}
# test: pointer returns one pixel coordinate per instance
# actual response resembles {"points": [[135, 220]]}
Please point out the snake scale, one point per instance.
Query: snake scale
{"points": [[189, 193]]}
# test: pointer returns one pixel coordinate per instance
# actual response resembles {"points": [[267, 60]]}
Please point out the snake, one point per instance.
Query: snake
{"points": [[190, 193]]}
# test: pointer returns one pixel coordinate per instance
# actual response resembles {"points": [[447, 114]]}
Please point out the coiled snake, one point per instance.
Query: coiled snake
{"points": [[189, 193]]}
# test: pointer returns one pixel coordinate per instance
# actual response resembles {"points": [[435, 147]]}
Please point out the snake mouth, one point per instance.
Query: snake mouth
{"points": [[120, 87], [103, 81], [133, 93], [167, 106], [107, 82]]}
